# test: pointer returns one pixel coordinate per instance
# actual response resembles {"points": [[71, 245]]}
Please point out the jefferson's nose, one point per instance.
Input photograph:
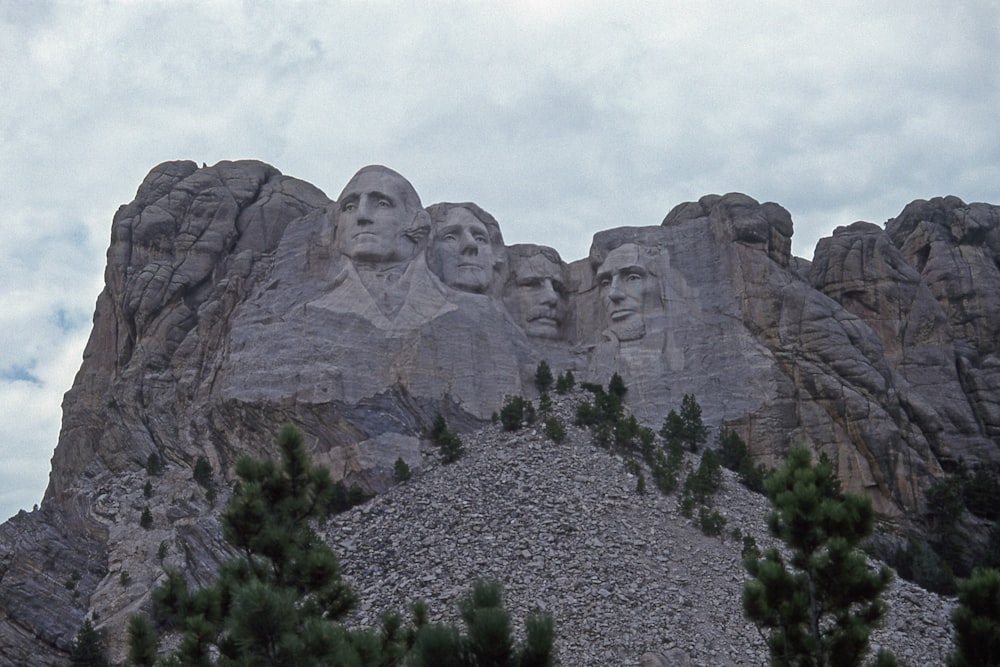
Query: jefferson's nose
{"points": [[468, 244]]}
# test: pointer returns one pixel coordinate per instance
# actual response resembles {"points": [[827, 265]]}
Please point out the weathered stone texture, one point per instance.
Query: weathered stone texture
{"points": [[51, 560], [561, 525], [237, 298], [956, 249]]}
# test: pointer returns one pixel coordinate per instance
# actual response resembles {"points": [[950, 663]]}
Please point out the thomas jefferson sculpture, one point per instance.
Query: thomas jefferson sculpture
{"points": [[466, 248]]}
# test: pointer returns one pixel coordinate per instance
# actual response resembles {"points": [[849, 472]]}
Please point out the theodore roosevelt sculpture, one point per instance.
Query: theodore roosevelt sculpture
{"points": [[536, 293], [466, 248]]}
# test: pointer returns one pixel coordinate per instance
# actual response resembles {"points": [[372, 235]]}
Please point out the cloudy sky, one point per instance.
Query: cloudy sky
{"points": [[560, 117]]}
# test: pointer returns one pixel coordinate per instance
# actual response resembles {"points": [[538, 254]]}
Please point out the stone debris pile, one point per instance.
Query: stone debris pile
{"points": [[563, 529]]}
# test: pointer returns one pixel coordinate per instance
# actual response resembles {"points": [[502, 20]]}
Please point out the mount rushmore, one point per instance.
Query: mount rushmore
{"points": [[237, 299]]}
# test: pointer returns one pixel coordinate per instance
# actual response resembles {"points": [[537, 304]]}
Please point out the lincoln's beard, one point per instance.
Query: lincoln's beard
{"points": [[633, 329]]}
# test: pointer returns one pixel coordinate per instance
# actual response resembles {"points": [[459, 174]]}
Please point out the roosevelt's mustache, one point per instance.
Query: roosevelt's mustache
{"points": [[544, 312]]}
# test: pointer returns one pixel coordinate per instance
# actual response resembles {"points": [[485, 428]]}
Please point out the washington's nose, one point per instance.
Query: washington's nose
{"points": [[365, 212]]}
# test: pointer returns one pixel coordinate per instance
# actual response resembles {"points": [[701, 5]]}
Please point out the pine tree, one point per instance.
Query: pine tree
{"points": [[732, 449], [439, 426], [672, 430], [819, 609], [277, 601], [450, 447], [401, 471], [488, 641], [981, 493], [565, 382], [616, 386], [693, 430], [202, 472], [945, 506], [554, 430], [449, 444], [142, 641], [977, 621], [88, 650], [515, 412], [154, 465], [704, 482], [543, 376], [734, 455]]}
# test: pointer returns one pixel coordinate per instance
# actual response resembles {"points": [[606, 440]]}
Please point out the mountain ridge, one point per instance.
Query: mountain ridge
{"points": [[237, 299]]}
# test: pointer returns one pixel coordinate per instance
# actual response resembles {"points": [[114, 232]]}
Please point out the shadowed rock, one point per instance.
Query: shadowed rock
{"points": [[237, 299]]}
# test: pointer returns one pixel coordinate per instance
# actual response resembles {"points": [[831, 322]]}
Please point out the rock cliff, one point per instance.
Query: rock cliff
{"points": [[237, 299]]}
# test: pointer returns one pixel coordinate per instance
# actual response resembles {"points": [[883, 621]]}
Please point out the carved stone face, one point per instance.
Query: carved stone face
{"points": [[628, 290], [373, 216], [536, 296], [463, 251]]}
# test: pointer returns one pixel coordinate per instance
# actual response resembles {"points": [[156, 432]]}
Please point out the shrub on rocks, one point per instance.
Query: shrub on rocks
{"points": [[554, 430], [516, 412], [488, 636], [401, 471], [543, 377], [450, 446], [565, 382]]}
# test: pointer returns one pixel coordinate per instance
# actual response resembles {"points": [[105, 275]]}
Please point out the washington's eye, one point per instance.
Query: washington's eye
{"points": [[449, 237], [604, 282], [384, 203], [349, 206], [632, 277], [482, 239]]}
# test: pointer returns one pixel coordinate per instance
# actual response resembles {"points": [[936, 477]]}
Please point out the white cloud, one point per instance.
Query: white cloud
{"points": [[559, 118]]}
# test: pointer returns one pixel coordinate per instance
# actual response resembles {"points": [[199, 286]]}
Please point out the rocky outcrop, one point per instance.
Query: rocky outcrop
{"points": [[51, 560], [956, 249], [184, 254], [237, 298]]}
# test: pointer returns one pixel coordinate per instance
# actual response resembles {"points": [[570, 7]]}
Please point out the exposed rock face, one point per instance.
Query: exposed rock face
{"points": [[237, 298], [956, 249]]}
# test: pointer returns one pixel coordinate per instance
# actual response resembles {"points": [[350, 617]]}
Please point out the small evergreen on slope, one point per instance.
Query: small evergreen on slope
{"points": [[280, 600], [820, 607]]}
